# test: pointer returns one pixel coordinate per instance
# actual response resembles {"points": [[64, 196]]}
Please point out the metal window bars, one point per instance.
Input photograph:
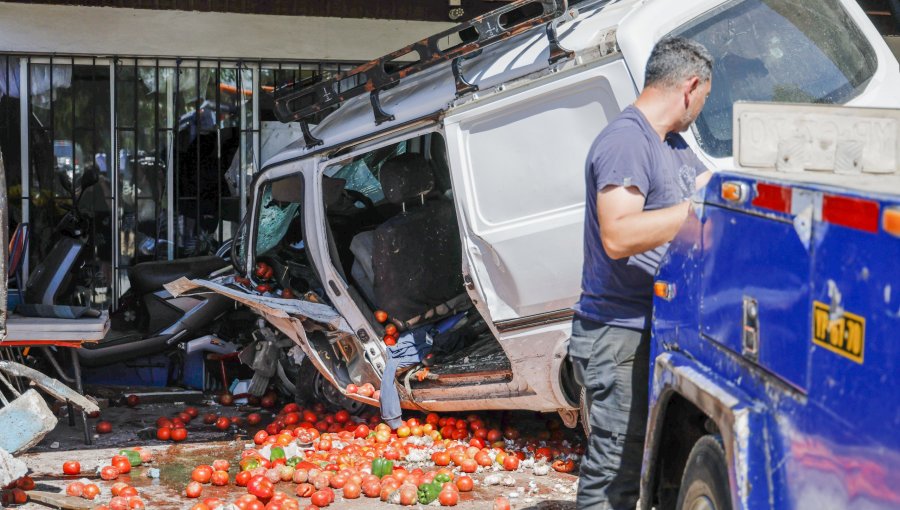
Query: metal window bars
{"points": [[298, 103]]}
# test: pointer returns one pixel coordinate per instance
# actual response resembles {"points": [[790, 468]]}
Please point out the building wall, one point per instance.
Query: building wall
{"points": [[59, 29]]}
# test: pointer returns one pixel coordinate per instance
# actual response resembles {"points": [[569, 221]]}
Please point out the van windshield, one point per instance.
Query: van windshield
{"points": [[797, 51]]}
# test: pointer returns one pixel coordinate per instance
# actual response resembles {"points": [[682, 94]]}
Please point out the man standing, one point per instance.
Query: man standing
{"points": [[640, 174]]}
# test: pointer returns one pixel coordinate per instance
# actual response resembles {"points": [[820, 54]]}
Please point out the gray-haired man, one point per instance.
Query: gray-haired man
{"points": [[640, 174]]}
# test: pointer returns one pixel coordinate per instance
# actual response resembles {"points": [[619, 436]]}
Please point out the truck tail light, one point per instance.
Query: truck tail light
{"points": [[851, 212], [664, 290], [891, 221], [773, 197], [736, 192]]}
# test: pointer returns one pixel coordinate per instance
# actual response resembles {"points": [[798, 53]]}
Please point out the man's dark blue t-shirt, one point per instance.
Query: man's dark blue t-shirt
{"points": [[627, 153]]}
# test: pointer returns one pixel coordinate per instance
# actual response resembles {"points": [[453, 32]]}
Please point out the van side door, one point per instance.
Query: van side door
{"points": [[517, 163]]}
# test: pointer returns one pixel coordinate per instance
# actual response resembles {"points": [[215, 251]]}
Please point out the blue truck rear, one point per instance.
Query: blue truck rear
{"points": [[775, 322]]}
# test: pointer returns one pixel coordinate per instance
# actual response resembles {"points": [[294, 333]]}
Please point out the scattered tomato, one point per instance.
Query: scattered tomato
{"points": [[132, 400], [104, 427], [193, 489], [71, 467]]}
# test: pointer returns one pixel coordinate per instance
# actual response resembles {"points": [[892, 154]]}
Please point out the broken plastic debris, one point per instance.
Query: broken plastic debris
{"points": [[54, 445], [153, 473]]}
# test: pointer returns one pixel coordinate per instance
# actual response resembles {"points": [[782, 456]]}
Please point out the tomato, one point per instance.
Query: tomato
{"points": [[118, 503], [389, 340], [260, 437], [104, 427], [352, 490], [242, 478], [390, 330], [361, 431], [226, 399], [185, 417], [128, 491], [132, 400], [494, 435], [193, 489], [470, 466], [223, 423], [320, 499], [135, 503], [260, 269], [371, 488], [179, 434], [71, 467], [260, 487], [90, 491], [120, 462], [511, 463], [109, 473], [202, 474], [163, 433], [210, 418], [448, 497], [219, 478], [563, 466], [117, 488], [162, 421], [200, 506], [75, 489], [220, 465], [381, 316], [305, 490], [254, 418], [501, 503], [366, 390], [268, 401], [464, 484], [543, 453]]}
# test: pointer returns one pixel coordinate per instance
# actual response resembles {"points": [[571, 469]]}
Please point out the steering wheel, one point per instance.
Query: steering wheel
{"points": [[361, 197]]}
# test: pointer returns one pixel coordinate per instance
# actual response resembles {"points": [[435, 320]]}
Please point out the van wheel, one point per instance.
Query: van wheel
{"points": [[704, 485], [312, 387], [584, 408]]}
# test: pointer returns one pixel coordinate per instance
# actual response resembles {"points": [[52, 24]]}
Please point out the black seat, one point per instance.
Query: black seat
{"points": [[151, 276], [416, 255]]}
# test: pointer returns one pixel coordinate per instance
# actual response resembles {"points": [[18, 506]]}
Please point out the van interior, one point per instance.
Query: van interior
{"points": [[395, 239]]}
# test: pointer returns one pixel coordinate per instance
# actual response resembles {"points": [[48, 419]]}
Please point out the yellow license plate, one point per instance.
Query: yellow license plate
{"points": [[844, 335]]}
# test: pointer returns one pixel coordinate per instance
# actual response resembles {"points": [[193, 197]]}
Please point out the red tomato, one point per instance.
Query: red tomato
{"points": [[104, 427], [352, 388], [366, 390], [371, 488], [210, 418], [441, 458], [305, 490], [219, 478], [260, 487], [90, 491], [408, 494], [109, 473], [117, 488], [242, 478], [132, 400], [389, 340], [352, 490], [511, 463], [470, 466], [320, 498], [128, 491], [361, 431], [464, 484], [179, 434], [381, 316], [260, 437], [220, 465], [118, 503], [121, 463], [71, 467], [193, 489], [448, 497], [202, 474], [75, 489], [163, 433], [223, 423], [501, 503], [390, 330], [254, 418]]}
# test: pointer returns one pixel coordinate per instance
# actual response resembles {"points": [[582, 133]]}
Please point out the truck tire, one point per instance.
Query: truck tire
{"points": [[704, 485], [312, 386]]}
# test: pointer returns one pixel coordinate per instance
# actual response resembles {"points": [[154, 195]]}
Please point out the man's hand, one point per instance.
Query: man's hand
{"points": [[626, 229]]}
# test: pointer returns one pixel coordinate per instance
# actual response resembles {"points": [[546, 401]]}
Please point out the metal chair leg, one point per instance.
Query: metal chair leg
{"points": [[76, 371]]}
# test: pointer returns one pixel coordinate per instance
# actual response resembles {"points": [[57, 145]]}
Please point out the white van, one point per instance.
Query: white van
{"points": [[449, 178]]}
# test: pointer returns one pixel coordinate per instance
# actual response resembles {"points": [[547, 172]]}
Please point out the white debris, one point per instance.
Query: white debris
{"points": [[11, 468], [513, 495], [509, 481], [417, 456], [54, 445], [493, 479], [541, 469], [152, 473]]}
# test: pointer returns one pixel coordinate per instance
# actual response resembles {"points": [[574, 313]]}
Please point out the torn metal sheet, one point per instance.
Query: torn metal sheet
{"points": [[52, 386]]}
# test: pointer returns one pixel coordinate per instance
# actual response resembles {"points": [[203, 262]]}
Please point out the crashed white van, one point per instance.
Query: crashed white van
{"points": [[448, 177]]}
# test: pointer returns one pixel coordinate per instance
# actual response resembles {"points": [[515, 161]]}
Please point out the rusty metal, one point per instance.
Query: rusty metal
{"points": [[296, 104]]}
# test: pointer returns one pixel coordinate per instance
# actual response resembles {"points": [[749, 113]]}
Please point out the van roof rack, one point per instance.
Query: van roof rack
{"points": [[296, 103]]}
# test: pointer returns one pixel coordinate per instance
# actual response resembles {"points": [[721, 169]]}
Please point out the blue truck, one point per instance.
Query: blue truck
{"points": [[775, 317]]}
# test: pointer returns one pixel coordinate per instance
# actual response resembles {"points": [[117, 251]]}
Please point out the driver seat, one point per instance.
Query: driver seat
{"points": [[415, 255]]}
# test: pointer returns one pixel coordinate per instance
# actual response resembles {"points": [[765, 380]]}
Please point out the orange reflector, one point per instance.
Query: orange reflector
{"points": [[664, 290], [734, 191], [891, 221]]}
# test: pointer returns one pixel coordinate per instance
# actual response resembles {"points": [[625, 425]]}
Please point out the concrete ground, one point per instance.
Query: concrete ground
{"points": [[174, 461]]}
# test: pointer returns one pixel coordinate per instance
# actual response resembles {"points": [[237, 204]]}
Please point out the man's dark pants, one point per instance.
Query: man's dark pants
{"points": [[615, 378]]}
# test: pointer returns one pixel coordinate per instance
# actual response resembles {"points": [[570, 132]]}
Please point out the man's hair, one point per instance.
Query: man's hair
{"points": [[676, 59]]}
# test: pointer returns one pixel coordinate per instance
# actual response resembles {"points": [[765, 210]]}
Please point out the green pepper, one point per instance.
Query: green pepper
{"points": [[382, 467], [293, 461], [276, 453], [429, 492], [249, 463], [442, 478], [134, 458]]}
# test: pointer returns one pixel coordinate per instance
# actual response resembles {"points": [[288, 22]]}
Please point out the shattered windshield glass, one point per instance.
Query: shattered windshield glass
{"points": [[362, 173], [797, 51], [279, 215]]}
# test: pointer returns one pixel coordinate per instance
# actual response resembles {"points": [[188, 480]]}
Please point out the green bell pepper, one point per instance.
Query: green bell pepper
{"points": [[276, 453], [382, 467], [134, 458], [429, 492], [293, 461], [249, 464], [442, 478]]}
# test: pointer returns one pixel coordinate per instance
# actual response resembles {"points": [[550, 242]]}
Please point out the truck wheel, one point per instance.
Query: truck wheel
{"points": [[584, 408], [704, 485], [312, 386]]}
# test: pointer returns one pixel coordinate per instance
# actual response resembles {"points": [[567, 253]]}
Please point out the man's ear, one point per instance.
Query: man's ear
{"points": [[690, 85]]}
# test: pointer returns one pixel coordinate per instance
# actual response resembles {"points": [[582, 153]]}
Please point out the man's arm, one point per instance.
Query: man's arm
{"points": [[626, 229]]}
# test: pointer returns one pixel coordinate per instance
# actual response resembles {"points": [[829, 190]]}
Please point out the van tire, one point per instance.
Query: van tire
{"points": [[312, 387], [704, 484]]}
